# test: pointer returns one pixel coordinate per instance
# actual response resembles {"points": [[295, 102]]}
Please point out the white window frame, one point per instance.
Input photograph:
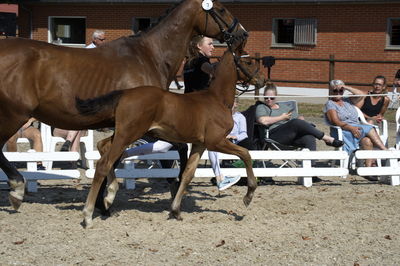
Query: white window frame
{"points": [[389, 34], [50, 38], [305, 32]]}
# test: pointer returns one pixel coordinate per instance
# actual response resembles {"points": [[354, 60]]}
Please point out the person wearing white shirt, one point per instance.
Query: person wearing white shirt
{"points": [[98, 39], [238, 135]]}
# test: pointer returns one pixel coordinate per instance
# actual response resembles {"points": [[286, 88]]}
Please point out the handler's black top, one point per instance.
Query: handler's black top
{"points": [[196, 79]]}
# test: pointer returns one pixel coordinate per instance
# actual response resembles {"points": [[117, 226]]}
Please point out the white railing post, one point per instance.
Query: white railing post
{"points": [[31, 185], [394, 179], [129, 183], [306, 180]]}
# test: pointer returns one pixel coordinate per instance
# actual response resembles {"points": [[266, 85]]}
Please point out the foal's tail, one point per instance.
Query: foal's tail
{"points": [[95, 105]]}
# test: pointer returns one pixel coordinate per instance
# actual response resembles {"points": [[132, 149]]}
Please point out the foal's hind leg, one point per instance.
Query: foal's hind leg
{"points": [[104, 166], [228, 147], [187, 176], [112, 188], [183, 159]]}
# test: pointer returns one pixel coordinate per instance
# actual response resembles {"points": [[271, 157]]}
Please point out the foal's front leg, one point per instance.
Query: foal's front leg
{"points": [[228, 147], [187, 176]]}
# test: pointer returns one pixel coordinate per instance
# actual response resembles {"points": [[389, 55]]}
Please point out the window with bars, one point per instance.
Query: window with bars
{"points": [[70, 31], [292, 31], [393, 33]]}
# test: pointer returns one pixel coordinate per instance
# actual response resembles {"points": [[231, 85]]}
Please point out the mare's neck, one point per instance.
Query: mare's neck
{"points": [[169, 40], [223, 86]]}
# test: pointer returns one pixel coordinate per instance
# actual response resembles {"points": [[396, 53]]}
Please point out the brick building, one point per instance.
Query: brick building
{"points": [[307, 29]]}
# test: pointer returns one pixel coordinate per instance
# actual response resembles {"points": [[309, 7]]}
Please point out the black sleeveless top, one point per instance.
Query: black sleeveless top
{"points": [[372, 110], [194, 78]]}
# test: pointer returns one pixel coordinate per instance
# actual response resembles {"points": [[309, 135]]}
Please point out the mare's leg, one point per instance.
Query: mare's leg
{"points": [[9, 126], [106, 162], [226, 146], [187, 176]]}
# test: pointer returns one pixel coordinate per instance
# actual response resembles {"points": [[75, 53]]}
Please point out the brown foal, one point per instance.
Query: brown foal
{"points": [[202, 118]]}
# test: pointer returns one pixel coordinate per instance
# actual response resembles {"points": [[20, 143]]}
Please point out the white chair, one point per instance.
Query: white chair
{"points": [[383, 134], [50, 142], [382, 130], [398, 129]]}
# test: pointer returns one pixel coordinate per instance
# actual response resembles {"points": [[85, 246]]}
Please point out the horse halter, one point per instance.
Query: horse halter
{"points": [[240, 67], [228, 36]]}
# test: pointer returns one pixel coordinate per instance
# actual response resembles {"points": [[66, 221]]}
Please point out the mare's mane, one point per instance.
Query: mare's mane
{"points": [[159, 20]]}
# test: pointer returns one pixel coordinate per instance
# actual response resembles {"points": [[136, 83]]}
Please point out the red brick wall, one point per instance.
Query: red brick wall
{"points": [[354, 32]]}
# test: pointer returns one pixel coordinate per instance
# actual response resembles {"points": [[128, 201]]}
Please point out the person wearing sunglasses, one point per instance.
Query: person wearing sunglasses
{"points": [[98, 39], [375, 105], [341, 111], [286, 126]]}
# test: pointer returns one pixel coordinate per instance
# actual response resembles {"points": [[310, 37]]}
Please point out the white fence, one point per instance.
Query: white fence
{"points": [[32, 175], [390, 173], [304, 171]]}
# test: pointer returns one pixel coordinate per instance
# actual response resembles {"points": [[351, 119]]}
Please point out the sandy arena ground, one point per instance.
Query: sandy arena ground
{"points": [[336, 222]]}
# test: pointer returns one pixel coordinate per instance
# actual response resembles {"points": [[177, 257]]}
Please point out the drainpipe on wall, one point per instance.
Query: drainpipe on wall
{"points": [[30, 20]]}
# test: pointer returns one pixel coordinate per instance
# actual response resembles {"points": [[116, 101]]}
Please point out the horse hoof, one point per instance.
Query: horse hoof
{"points": [[247, 201], [87, 224], [87, 218], [14, 201], [175, 215], [16, 194], [107, 203]]}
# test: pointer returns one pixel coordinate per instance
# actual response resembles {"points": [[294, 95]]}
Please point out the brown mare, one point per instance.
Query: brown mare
{"points": [[42, 80], [202, 118]]}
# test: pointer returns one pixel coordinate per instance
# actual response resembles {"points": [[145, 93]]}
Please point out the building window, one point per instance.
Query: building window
{"points": [[289, 32], [142, 24], [70, 31], [8, 24], [393, 33]]}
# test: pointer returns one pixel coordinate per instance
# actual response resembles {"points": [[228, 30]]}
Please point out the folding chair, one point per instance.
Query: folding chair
{"points": [[267, 143], [260, 133]]}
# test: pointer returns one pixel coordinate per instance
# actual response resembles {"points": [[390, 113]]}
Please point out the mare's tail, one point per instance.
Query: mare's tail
{"points": [[98, 104]]}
